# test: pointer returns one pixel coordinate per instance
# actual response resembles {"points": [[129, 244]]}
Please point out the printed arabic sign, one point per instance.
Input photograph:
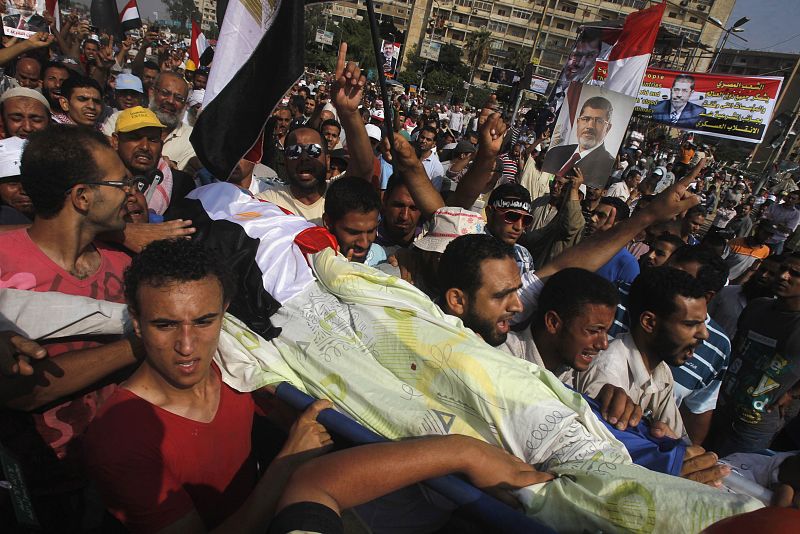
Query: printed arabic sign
{"points": [[324, 37], [733, 107]]}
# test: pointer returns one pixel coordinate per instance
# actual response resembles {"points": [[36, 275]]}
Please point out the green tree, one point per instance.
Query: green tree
{"points": [[183, 11], [477, 49], [518, 58]]}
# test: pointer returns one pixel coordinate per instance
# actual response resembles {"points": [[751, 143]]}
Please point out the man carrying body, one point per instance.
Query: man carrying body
{"points": [[668, 312], [678, 111], [24, 111], [589, 154], [352, 212], [78, 187]]}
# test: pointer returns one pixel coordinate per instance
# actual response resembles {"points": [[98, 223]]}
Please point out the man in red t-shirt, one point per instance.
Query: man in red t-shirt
{"points": [[170, 450], [78, 187]]}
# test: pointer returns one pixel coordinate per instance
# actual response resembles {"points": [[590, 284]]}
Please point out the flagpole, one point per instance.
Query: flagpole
{"points": [[388, 111]]}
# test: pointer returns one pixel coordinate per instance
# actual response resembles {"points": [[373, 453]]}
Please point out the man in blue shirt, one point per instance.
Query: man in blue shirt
{"points": [[623, 267]]}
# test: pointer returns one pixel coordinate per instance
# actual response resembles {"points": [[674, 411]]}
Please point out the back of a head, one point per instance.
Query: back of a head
{"points": [[166, 262], [713, 271], [56, 159], [623, 210], [569, 290], [655, 289], [78, 82], [348, 194], [671, 239], [460, 265]]}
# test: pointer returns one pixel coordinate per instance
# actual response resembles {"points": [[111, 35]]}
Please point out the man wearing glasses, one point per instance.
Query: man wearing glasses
{"points": [[78, 187], [508, 216], [168, 101], [589, 154]]}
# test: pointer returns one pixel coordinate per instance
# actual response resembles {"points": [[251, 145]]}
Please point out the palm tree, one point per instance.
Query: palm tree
{"points": [[477, 48], [518, 59]]}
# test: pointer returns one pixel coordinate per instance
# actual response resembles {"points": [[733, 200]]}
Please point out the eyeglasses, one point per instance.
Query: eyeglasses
{"points": [[295, 151], [180, 99], [596, 120], [510, 217], [137, 182]]}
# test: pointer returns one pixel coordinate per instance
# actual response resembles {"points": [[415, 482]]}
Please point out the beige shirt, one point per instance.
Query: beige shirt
{"points": [[177, 146], [522, 345], [280, 195], [622, 365], [535, 181]]}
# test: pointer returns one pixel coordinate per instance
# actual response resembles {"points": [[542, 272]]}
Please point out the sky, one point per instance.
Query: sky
{"points": [[773, 25]]}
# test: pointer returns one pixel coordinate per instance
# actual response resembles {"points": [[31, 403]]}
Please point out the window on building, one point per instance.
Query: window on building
{"points": [[693, 20], [476, 22], [521, 14], [517, 31], [502, 13], [500, 27], [483, 6], [672, 14], [464, 3], [560, 25]]}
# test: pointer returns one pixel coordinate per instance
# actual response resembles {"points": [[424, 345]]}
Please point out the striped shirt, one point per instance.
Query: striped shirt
{"points": [[697, 381]]}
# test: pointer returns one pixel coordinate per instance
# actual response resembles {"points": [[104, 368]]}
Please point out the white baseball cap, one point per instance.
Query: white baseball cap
{"points": [[10, 156], [374, 132]]}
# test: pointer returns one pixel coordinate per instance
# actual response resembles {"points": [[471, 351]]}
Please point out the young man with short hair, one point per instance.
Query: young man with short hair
{"points": [[81, 102], [352, 212]]}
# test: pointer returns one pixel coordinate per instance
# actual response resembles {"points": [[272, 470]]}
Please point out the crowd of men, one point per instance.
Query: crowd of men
{"points": [[671, 295]]}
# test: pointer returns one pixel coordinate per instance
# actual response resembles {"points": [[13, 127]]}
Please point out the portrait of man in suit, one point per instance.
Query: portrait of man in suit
{"points": [[589, 154], [389, 61], [579, 63], [678, 111], [22, 15]]}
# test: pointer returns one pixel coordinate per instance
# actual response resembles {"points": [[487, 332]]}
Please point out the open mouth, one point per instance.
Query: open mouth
{"points": [[189, 367]]}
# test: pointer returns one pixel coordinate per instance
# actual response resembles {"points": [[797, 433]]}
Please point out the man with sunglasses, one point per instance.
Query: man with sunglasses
{"points": [[763, 378], [508, 215], [589, 154], [138, 142], [78, 187], [168, 98]]}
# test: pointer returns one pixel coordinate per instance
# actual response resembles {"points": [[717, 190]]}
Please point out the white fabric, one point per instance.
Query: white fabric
{"points": [[285, 270]]}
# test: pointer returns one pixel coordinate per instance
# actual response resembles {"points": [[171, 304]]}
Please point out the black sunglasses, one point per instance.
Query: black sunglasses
{"points": [[295, 151], [511, 217]]}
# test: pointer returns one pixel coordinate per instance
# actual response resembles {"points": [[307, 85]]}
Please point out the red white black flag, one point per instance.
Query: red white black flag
{"points": [[129, 16]]}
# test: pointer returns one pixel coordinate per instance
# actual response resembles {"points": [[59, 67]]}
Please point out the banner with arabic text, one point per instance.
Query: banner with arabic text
{"points": [[733, 107]]}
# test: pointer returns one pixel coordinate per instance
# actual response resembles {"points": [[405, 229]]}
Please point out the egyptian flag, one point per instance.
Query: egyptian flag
{"points": [[628, 59], [258, 57], [264, 245], [129, 16], [199, 43], [105, 16]]}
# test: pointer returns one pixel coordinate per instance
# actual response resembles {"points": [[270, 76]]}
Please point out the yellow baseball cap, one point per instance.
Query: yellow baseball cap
{"points": [[136, 118], [190, 65]]}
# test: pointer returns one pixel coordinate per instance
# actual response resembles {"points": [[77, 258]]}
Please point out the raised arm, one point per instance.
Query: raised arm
{"points": [[593, 252], [348, 88], [37, 40], [425, 196]]}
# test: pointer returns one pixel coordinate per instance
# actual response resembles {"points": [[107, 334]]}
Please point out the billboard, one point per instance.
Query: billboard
{"points": [[390, 53], [430, 50], [539, 85], [324, 37], [504, 76], [731, 107], [588, 133]]}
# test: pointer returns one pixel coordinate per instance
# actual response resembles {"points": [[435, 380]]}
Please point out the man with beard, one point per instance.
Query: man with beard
{"points": [[352, 211], [24, 111], [678, 111], [79, 188], [589, 154], [81, 102], [138, 141], [400, 217], [55, 74], [15, 205], [168, 98], [668, 313]]}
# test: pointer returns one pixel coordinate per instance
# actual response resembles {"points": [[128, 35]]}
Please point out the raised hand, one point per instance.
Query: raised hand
{"points": [[40, 40], [348, 84]]}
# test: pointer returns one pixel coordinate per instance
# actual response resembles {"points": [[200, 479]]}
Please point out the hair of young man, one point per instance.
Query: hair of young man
{"points": [[713, 272], [53, 64], [569, 290], [78, 82], [623, 211], [56, 159], [349, 194], [460, 265], [430, 129], [510, 190], [395, 180], [598, 102], [655, 289], [695, 211], [671, 239], [330, 122], [169, 261]]}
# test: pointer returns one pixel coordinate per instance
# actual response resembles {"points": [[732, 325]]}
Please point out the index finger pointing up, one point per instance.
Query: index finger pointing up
{"points": [[340, 59]]}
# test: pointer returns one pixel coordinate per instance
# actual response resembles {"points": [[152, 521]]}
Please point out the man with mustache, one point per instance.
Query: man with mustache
{"points": [[55, 74], [668, 313], [138, 141], [168, 97], [589, 154]]}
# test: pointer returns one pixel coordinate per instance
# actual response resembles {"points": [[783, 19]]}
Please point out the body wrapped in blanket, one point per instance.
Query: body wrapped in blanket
{"points": [[388, 357]]}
